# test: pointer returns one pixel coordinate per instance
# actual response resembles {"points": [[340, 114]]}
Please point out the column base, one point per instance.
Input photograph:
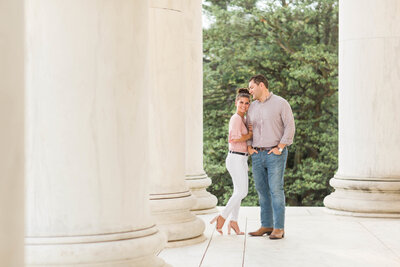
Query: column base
{"points": [[205, 202], [206, 211], [364, 197], [173, 217], [135, 248], [186, 242], [359, 214]]}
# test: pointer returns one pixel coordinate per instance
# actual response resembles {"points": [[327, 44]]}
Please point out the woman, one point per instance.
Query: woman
{"points": [[236, 162]]}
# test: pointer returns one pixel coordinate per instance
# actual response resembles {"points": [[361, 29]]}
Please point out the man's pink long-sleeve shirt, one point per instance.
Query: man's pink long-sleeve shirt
{"points": [[272, 121]]}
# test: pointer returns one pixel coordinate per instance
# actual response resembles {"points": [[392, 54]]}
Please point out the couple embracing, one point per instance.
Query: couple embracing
{"points": [[263, 130]]}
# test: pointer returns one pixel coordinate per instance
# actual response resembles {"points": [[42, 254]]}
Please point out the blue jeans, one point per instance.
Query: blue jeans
{"points": [[268, 173]]}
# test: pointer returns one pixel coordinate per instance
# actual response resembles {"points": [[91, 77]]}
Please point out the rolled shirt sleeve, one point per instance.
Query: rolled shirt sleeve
{"points": [[288, 124], [235, 124], [248, 121]]}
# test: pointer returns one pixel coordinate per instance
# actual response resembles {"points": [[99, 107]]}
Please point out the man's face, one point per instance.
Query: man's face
{"points": [[255, 90]]}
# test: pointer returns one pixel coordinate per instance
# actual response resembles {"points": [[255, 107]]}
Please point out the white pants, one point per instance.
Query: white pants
{"points": [[238, 169]]}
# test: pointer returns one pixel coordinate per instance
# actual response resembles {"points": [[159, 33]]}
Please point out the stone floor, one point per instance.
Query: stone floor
{"points": [[313, 238]]}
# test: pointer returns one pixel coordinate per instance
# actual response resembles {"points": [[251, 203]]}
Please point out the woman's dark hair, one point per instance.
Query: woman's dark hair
{"points": [[242, 92]]}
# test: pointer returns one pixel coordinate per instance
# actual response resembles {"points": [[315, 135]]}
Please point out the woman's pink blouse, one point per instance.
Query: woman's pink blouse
{"points": [[237, 128]]}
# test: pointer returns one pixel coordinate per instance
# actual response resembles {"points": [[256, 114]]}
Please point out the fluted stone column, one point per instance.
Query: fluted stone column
{"points": [[12, 133], [196, 177], [87, 161], [367, 182], [171, 199]]}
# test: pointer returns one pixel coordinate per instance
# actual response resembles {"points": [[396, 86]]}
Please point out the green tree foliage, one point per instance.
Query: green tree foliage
{"points": [[294, 44]]}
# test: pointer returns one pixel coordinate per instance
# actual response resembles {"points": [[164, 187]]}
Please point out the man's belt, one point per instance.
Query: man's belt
{"points": [[263, 148]]}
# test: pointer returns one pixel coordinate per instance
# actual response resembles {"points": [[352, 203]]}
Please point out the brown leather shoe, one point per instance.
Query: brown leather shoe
{"points": [[277, 234], [262, 231]]}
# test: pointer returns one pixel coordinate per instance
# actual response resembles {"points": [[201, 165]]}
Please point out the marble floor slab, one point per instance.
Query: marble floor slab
{"points": [[312, 238]]}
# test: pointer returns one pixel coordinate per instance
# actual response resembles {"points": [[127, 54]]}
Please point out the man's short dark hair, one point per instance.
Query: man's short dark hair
{"points": [[257, 79]]}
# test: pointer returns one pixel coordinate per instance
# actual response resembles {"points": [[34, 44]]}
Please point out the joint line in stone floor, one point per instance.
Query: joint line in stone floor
{"points": [[383, 243], [205, 251], [309, 212], [244, 244]]}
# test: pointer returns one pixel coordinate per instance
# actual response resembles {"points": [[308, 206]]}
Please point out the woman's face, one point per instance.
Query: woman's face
{"points": [[242, 104]]}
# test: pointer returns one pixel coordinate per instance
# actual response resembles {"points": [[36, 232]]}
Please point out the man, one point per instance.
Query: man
{"points": [[273, 130]]}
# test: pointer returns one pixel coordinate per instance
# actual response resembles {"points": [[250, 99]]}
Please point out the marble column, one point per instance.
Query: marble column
{"points": [[196, 177], [171, 199], [87, 135], [12, 133], [367, 182]]}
